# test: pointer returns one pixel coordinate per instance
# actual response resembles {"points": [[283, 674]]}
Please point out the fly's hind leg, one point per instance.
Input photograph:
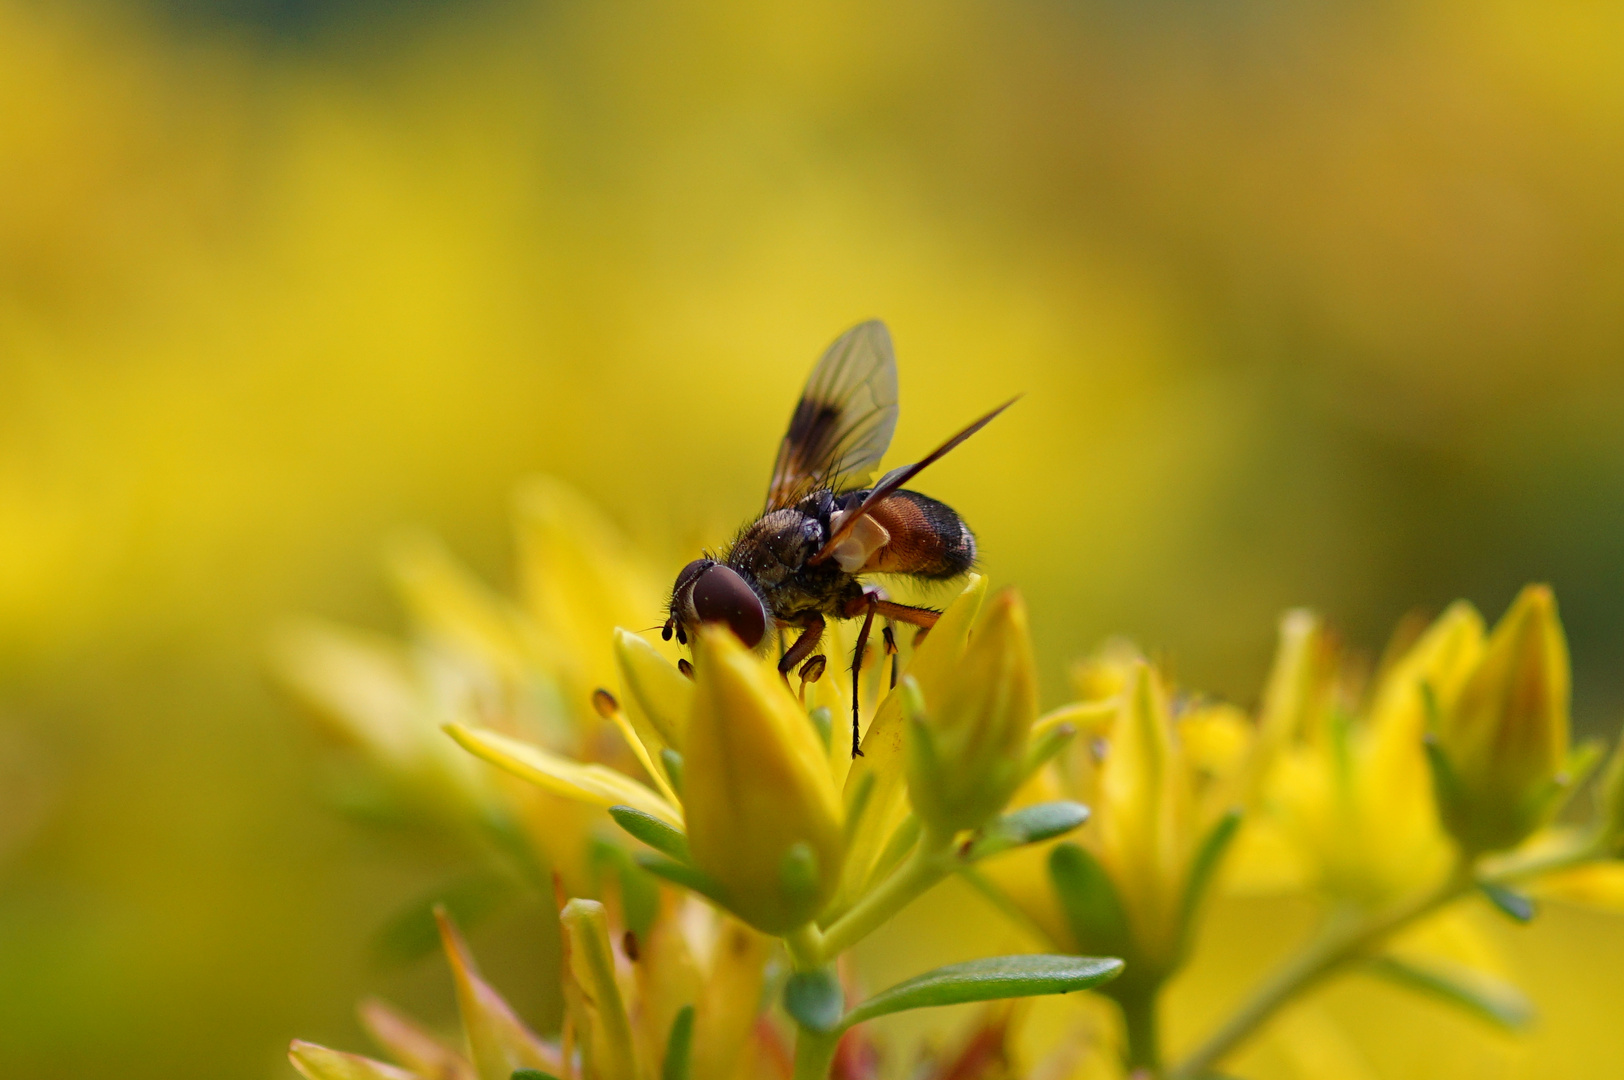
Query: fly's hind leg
{"points": [[869, 604]]}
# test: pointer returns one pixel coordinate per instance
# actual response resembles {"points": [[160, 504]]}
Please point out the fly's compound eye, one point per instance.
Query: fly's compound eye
{"points": [[688, 573], [721, 595]]}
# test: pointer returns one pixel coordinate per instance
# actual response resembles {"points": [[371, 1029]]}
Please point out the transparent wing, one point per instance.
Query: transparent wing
{"points": [[844, 421], [891, 483]]}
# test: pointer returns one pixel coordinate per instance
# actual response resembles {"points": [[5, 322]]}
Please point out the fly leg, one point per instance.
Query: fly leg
{"points": [[868, 605], [891, 651], [811, 634], [922, 617]]}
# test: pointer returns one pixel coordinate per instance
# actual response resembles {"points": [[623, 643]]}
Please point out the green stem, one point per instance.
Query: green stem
{"points": [[1143, 1031], [1340, 942], [805, 946], [931, 861], [814, 1054]]}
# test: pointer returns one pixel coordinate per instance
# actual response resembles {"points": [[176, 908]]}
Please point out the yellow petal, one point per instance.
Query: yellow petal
{"points": [[369, 692], [884, 743], [1146, 831], [456, 609], [410, 1045], [319, 1063], [498, 1042], [1599, 885], [608, 1051], [598, 785], [1506, 734], [655, 690], [667, 975], [756, 788], [970, 744], [578, 579], [728, 1003]]}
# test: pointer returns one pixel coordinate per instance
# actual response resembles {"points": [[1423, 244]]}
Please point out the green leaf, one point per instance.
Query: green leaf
{"points": [[814, 999], [990, 979], [1202, 869], [679, 1047], [1489, 999], [652, 831], [681, 874], [532, 1074], [1028, 825], [1515, 905], [1089, 900]]}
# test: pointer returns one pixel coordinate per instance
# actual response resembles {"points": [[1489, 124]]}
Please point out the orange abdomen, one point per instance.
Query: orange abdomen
{"points": [[928, 538]]}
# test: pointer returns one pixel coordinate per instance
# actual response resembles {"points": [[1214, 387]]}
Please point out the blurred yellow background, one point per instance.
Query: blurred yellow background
{"points": [[1314, 305]]}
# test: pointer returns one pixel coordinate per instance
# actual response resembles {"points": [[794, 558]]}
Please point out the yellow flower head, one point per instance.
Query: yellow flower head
{"points": [[1502, 739], [967, 751], [764, 818]]}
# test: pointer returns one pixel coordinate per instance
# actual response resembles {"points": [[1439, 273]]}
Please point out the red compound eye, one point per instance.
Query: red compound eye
{"points": [[721, 595]]}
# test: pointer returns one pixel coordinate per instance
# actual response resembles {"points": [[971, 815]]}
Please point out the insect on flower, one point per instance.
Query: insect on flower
{"points": [[799, 563]]}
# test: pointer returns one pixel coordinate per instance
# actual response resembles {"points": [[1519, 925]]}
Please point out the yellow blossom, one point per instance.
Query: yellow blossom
{"points": [[967, 751], [1502, 740], [764, 818]]}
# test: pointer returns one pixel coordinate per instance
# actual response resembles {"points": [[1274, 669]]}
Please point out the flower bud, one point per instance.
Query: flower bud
{"points": [[763, 815], [1502, 743], [966, 750]]}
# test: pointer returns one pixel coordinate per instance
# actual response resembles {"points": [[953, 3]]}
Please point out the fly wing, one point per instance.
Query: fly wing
{"points": [[891, 483], [843, 423]]}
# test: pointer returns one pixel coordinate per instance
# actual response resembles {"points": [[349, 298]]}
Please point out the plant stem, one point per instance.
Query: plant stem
{"points": [[931, 861], [805, 947], [1143, 1031], [814, 1054], [1339, 942]]}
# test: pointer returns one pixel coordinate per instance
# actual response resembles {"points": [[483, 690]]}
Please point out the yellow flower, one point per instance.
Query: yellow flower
{"points": [[1161, 789], [764, 818], [1346, 795], [966, 752], [475, 659], [631, 1002], [1502, 739]]}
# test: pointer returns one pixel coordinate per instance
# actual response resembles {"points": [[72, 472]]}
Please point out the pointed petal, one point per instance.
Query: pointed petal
{"points": [[592, 995], [656, 692], [456, 609], [498, 1041], [319, 1063], [598, 785], [402, 1039], [884, 745], [728, 1002], [579, 579]]}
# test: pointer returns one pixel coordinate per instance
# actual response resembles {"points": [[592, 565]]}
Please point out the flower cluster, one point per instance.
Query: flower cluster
{"points": [[748, 852]]}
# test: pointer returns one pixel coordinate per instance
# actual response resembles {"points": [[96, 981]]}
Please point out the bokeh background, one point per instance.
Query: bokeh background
{"points": [[1311, 304]]}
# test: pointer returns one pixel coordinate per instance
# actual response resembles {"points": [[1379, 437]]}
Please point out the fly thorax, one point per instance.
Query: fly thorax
{"points": [[777, 546]]}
